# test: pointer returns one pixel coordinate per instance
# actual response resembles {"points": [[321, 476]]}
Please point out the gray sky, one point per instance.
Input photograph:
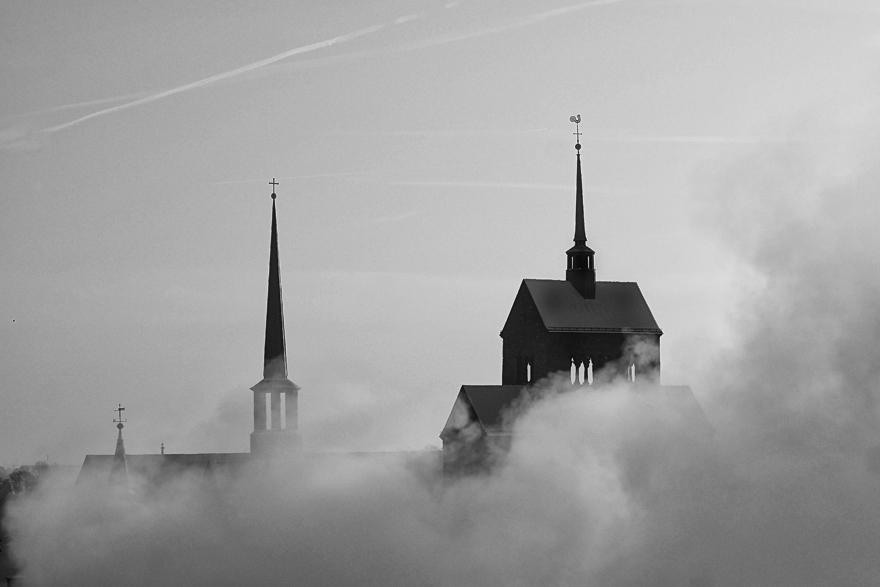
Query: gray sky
{"points": [[426, 167]]}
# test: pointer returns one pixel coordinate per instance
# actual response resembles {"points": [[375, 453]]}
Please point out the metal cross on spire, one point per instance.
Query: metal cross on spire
{"points": [[577, 121], [119, 410], [273, 183]]}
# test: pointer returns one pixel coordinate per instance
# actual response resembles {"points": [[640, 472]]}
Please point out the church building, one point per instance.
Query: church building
{"points": [[577, 323], [578, 329], [275, 414]]}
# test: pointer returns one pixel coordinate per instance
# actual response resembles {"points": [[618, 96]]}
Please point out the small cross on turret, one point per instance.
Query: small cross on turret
{"points": [[273, 183]]}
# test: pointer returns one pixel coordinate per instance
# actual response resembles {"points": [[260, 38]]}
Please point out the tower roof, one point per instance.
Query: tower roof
{"points": [[275, 348], [618, 306], [580, 229], [275, 352]]}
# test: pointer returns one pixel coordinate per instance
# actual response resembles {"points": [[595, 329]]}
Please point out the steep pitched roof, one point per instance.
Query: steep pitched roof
{"points": [[492, 409], [486, 405], [618, 307], [275, 352]]}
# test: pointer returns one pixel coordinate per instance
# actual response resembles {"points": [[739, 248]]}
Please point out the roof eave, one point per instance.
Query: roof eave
{"points": [[656, 331]]}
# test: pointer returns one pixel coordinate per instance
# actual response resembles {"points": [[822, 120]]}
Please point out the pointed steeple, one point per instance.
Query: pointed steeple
{"points": [[271, 433], [580, 231], [119, 468], [275, 353], [580, 272]]}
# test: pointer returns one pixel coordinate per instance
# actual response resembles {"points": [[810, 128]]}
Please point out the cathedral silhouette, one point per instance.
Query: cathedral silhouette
{"points": [[576, 330]]}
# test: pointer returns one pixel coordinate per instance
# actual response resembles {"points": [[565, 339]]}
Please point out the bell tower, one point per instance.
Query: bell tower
{"points": [[272, 432]]}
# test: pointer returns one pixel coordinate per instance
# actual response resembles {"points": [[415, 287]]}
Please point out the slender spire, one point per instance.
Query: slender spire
{"points": [[119, 468], [580, 231], [581, 272], [278, 430], [275, 354]]}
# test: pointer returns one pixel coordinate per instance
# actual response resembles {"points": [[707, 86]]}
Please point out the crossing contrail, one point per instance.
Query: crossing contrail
{"points": [[533, 186], [721, 140], [75, 105], [319, 175], [525, 21], [518, 23], [220, 76]]}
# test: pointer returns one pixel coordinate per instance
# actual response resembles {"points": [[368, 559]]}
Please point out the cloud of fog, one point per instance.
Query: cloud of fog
{"points": [[606, 487]]}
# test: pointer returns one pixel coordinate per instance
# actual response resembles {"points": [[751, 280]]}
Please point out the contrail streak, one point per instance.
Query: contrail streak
{"points": [[526, 21], [313, 47], [235, 181], [220, 76], [443, 133], [532, 186], [734, 140], [75, 105], [483, 184]]}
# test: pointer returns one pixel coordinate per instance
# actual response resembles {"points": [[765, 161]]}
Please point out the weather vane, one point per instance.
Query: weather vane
{"points": [[119, 419], [273, 183], [577, 121]]}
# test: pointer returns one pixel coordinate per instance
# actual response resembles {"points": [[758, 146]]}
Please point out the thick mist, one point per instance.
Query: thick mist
{"points": [[606, 487]]}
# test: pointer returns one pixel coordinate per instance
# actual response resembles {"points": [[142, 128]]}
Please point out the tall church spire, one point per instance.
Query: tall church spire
{"points": [[580, 272], [273, 432], [580, 231], [275, 353]]}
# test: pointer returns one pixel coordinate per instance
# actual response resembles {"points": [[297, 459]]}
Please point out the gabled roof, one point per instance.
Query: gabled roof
{"points": [[618, 307], [487, 405], [494, 408]]}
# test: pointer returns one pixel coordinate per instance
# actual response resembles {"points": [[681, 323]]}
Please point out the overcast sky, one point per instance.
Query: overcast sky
{"points": [[426, 166]]}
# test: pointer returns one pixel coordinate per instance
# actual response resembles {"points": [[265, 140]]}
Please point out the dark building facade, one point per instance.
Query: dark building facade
{"points": [[575, 328], [577, 324]]}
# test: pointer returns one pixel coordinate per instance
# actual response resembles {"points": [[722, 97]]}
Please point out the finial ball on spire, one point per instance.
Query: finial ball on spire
{"points": [[119, 426], [577, 132]]}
